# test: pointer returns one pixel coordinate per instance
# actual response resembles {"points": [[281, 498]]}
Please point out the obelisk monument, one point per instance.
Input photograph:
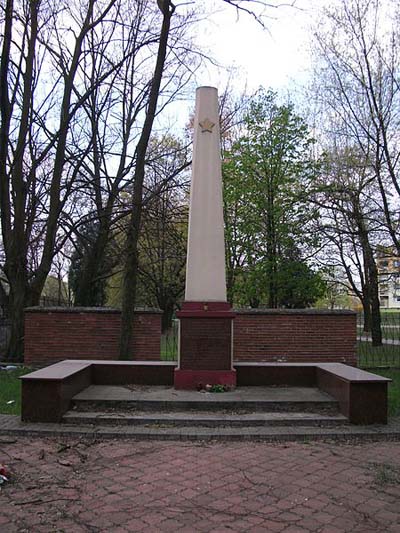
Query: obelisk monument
{"points": [[205, 347]]}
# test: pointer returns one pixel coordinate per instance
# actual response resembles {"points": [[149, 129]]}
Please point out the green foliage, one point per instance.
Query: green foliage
{"points": [[267, 172], [219, 388], [87, 276], [298, 285]]}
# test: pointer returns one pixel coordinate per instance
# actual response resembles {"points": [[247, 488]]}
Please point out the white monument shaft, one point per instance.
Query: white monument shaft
{"points": [[205, 267]]}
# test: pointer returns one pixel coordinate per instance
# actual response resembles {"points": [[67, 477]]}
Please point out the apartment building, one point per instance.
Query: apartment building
{"points": [[389, 278]]}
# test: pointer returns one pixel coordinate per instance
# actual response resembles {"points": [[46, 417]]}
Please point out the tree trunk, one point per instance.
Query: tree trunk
{"points": [[254, 303], [376, 330], [367, 315], [131, 265], [272, 282], [15, 349], [230, 282], [373, 296], [166, 319], [271, 246], [14, 185], [371, 274]]}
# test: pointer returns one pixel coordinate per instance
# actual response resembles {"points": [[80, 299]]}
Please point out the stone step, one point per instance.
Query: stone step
{"points": [[12, 426], [222, 434], [239, 407], [241, 400], [203, 419]]}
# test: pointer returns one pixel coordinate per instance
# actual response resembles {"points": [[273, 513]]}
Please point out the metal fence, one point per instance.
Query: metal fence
{"points": [[169, 343], [387, 355]]}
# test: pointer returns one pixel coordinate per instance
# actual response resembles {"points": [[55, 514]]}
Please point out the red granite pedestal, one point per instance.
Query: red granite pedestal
{"points": [[205, 349]]}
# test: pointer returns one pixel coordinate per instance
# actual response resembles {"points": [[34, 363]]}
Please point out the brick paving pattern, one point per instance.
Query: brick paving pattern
{"points": [[70, 485]]}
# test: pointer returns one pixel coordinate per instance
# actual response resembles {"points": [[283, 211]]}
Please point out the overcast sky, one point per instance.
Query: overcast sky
{"points": [[277, 57]]}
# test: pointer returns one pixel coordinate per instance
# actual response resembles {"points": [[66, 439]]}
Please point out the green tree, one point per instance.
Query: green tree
{"points": [[81, 262], [298, 285], [267, 172]]}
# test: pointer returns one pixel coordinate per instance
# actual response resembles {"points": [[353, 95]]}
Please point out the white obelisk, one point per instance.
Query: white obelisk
{"points": [[205, 267], [205, 319]]}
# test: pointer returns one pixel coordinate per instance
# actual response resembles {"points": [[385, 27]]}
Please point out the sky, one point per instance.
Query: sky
{"points": [[274, 57], [277, 57]]}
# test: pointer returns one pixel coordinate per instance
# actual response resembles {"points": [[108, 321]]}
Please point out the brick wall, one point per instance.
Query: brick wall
{"points": [[54, 334], [206, 344], [295, 336]]}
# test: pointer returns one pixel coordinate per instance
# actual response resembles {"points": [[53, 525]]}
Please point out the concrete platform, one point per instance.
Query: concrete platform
{"points": [[247, 408], [247, 398]]}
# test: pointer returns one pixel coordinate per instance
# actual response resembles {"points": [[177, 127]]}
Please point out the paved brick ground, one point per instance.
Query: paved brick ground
{"points": [[119, 486]]}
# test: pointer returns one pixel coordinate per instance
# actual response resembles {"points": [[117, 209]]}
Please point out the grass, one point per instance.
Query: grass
{"points": [[10, 390], [386, 474], [394, 389]]}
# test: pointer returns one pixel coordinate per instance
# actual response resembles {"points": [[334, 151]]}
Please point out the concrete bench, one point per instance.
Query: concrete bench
{"points": [[362, 396], [47, 393]]}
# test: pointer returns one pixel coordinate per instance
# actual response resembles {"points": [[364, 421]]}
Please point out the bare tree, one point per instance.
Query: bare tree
{"points": [[358, 53], [41, 96], [351, 224], [114, 116]]}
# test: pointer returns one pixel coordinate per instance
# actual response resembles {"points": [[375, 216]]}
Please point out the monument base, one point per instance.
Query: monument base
{"points": [[205, 355], [197, 379]]}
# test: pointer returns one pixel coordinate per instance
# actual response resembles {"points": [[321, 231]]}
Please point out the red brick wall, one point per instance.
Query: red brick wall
{"points": [[295, 336], [54, 334], [206, 344]]}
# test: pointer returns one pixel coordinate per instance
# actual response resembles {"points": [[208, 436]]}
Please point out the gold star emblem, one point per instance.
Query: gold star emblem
{"points": [[206, 125]]}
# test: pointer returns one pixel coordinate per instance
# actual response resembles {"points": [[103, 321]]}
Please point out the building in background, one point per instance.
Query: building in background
{"points": [[389, 278]]}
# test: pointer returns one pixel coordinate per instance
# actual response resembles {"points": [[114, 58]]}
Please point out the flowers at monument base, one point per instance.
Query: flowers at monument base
{"points": [[216, 387]]}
